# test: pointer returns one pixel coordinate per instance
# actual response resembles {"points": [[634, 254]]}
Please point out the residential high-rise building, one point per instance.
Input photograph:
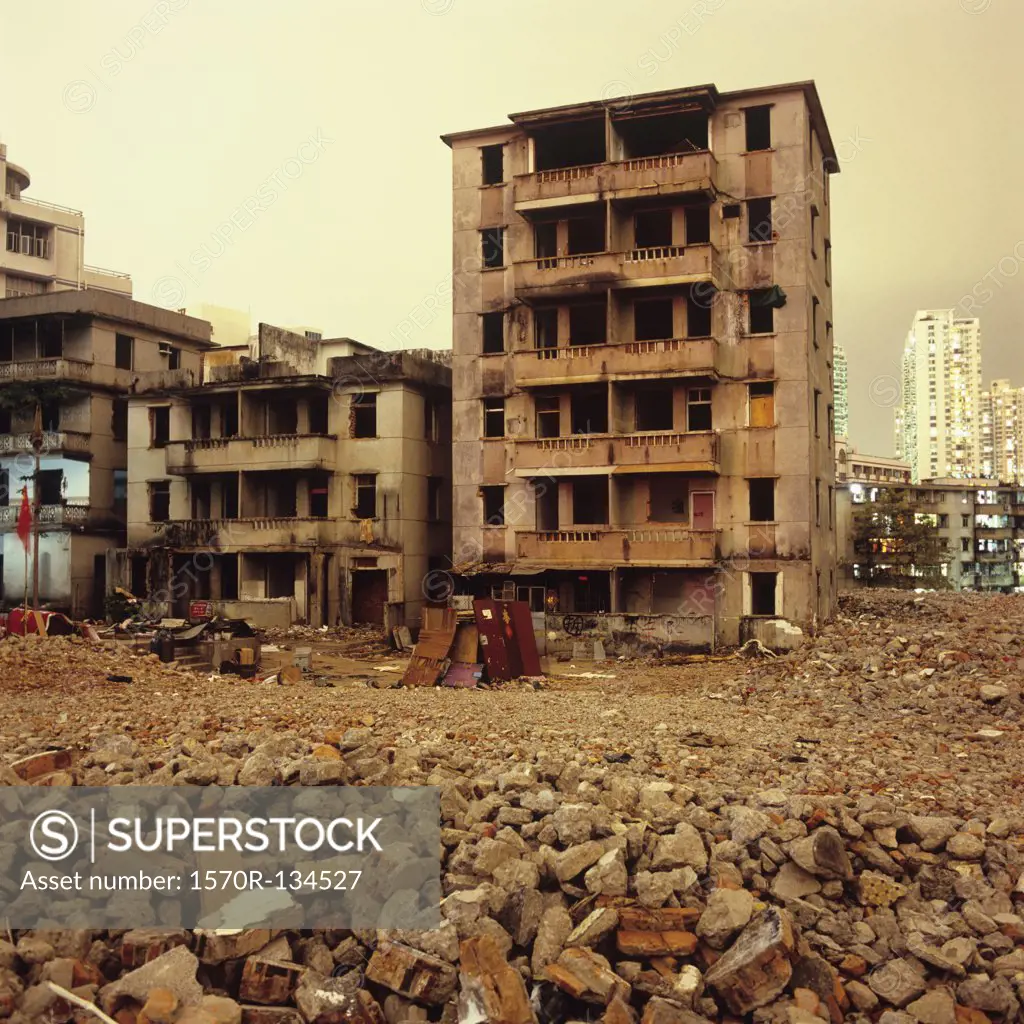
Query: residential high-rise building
{"points": [[642, 372], [44, 247], [842, 395], [1002, 433], [938, 420]]}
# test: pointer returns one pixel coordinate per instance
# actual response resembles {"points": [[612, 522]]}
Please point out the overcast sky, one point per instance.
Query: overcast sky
{"points": [[161, 118]]}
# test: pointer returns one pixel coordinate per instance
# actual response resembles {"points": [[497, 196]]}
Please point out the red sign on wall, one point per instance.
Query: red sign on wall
{"points": [[199, 610]]}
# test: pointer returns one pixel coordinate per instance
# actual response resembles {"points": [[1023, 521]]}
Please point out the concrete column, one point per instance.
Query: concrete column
{"points": [[316, 583], [302, 416], [302, 497], [565, 504]]}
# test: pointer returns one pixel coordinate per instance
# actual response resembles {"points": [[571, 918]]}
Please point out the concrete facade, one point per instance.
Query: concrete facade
{"points": [[1002, 433], [938, 419], [78, 355], [44, 243], [642, 368], [840, 375], [310, 483]]}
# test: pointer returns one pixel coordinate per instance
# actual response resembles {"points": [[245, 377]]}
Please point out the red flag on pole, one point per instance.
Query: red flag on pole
{"points": [[25, 518]]}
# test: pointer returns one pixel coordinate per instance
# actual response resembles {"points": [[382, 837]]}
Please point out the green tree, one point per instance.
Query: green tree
{"points": [[896, 544]]}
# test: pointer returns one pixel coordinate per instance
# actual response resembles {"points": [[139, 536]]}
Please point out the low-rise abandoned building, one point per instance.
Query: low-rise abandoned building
{"points": [[309, 482], [643, 412], [77, 356]]}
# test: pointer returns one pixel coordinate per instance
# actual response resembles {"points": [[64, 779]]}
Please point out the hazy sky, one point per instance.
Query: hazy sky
{"points": [[162, 118]]}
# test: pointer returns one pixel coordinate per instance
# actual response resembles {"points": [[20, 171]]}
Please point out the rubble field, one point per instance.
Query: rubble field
{"points": [[836, 833]]}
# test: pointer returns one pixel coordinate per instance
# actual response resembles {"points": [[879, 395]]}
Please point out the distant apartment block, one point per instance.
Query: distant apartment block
{"points": [[841, 386], [938, 419], [643, 362], [852, 465], [1002, 433], [308, 480], [44, 243], [78, 356]]}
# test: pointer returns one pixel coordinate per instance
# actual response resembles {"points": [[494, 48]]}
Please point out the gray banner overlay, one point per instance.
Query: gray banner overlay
{"points": [[220, 857]]}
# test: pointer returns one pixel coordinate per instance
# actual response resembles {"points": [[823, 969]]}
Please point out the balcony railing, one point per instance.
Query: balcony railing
{"points": [[251, 531], [42, 369], [612, 545], [49, 515], [52, 441], [262, 453], [696, 452]]}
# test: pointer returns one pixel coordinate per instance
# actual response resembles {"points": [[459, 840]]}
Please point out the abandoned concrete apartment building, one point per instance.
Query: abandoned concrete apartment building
{"points": [[643, 363], [308, 480]]}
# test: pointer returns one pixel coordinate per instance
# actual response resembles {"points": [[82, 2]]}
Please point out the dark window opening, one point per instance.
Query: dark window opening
{"points": [[492, 160], [494, 505], [318, 414], [51, 339], [817, 413], [590, 501], [5, 422], [201, 499], [229, 497], [281, 417], [50, 415], [828, 261], [548, 417], [431, 423], [731, 211], [652, 320], [815, 307], [365, 486], [434, 491], [759, 220], [51, 486], [159, 426], [494, 417], [653, 408], [698, 225], [669, 495], [492, 247], [698, 409], [201, 417], [545, 494], [586, 234], [124, 351], [319, 493], [492, 329], [229, 577], [817, 503], [699, 300], [589, 409], [280, 575], [545, 325], [762, 593], [282, 500], [660, 134], [587, 324], [173, 357], [159, 501], [545, 239], [364, 415], [652, 229], [759, 128], [762, 315], [229, 419], [138, 578], [762, 499], [814, 232], [575, 144], [591, 593]]}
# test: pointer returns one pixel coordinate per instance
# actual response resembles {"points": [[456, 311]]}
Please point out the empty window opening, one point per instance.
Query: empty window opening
{"points": [[280, 498], [124, 352], [364, 415], [762, 499], [545, 239], [492, 328], [830, 424], [762, 403], [817, 502], [545, 496], [201, 421], [658, 134], [435, 486], [494, 417], [319, 492], [698, 225], [831, 508], [590, 501], [761, 312], [318, 405], [365, 494], [698, 409], [494, 505], [49, 413], [51, 486], [548, 417], [762, 593], [652, 229], [281, 417], [492, 247], [668, 498], [814, 232], [587, 324], [229, 418], [201, 499], [653, 408], [587, 234], [731, 211], [759, 128], [5, 428], [815, 308], [817, 413], [652, 320], [759, 220], [589, 410], [173, 355], [589, 593], [159, 501], [228, 577], [229, 497], [828, 261], [159, 426], [279, 575], [575, 144], [545, 326], [699, 301], [492, 160]]}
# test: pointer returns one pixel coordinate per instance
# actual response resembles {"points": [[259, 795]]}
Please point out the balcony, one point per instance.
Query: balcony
{"points": [[610, 546], [47, 369], [994, 557], [672, 357], [266, 533], [50, 516], [68, 441], [994, 532], [553, 277], [264, 454], [672, 174], [662, 451], [985, 509]]}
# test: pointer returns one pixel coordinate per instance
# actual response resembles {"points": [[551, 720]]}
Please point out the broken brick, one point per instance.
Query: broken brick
{"points": [[411, 973]]}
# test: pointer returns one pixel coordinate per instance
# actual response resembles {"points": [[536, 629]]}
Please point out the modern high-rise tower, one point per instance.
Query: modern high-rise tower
{"points": [[841, 389]]}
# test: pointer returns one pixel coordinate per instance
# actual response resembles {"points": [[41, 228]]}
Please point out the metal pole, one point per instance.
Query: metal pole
{"points": [[35, 538]]}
